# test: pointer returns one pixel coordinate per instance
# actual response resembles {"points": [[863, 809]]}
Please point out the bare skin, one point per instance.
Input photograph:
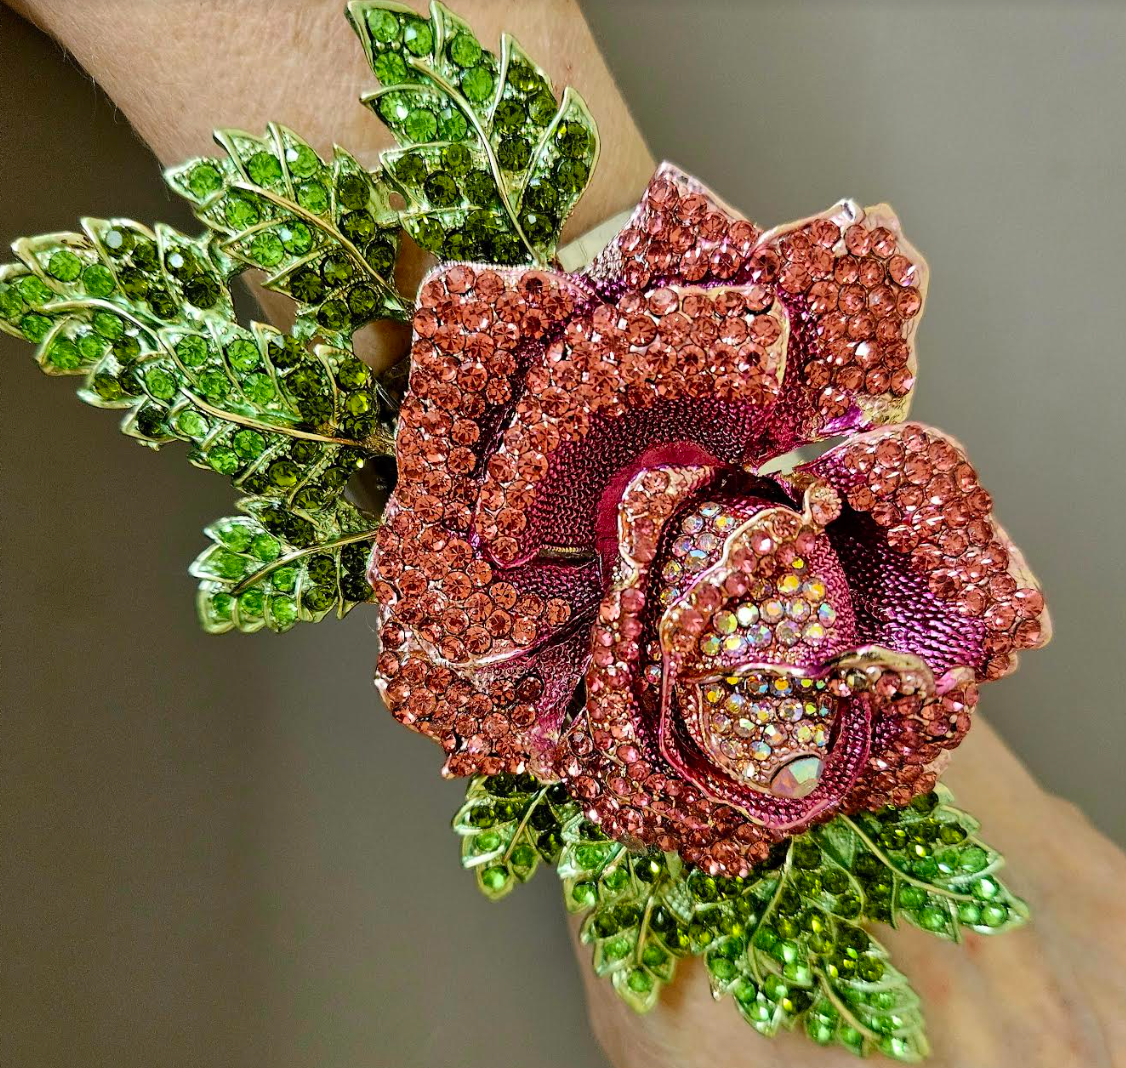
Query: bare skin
{"points": [[1048, 996]]}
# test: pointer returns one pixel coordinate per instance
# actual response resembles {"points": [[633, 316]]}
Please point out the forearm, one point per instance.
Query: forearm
{"points": [[179, 70]]}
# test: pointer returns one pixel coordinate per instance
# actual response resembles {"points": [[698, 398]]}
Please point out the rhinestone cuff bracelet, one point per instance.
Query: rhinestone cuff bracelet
{"points": [[661, 567]]}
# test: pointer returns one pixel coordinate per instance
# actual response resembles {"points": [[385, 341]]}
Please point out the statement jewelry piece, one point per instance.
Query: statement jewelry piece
{"points": [[712, 683]]}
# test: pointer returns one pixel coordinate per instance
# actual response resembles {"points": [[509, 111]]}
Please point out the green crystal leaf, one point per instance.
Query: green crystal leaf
{"points": [[863, 1003], [280, 417], [633, 904], [926, 865], [324, 233], [491, 161], [271, 567], [508, 824]]}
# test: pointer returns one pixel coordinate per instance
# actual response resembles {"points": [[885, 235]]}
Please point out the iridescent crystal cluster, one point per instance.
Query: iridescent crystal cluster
{"points": [[585, 571]]}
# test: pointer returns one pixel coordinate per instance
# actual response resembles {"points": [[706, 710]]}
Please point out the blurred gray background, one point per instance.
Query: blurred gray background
{"points": [[220, 851]]}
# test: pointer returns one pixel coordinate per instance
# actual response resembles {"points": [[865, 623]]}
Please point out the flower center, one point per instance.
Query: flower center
{"points": [[767, 729]]}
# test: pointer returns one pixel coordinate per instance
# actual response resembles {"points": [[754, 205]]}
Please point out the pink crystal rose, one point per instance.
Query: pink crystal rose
{"points": [[589, 571]]}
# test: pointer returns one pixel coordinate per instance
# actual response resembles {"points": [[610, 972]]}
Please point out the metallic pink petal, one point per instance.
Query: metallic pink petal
{"points": [[932, 572]]}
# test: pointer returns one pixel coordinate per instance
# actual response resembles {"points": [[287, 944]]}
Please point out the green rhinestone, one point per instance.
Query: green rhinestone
{"points": [[362, 302], [249, 444], [452, 126], [382, 25], [283, 474], [418, 37], [258, 388], [538, 226], [35, 326], [479, 188], [150, 422], [285, 578], [223, 460], [264, 168], [639, 982], [321, 570], [33, 290], [11, 303], [221, 605], [160, 384], [571, 175], [303, 452], [255, 482], [510, 116], [507, 249], [477, 84], [541, 108], [334, 315], [458, 245], [480, 225], [191, 349], [162, 304], [540, 196], [933, 918], [316, 410], [90, 346], [319, 598], [180, 264], [428, 232], [355, 588], [227, 565], [145, 256], [352, 191], [243, 354], [251, 604], [494, 879], [133, 282], [214, 385], [191, 424], [296, 237], [301, 160], [117, 241], [911, 897], [994, 915], [951, 834], [236, 536], [313, 197], [305, 381], [202, 291], [973, 859], [336, 269], [355, 557], [523, 78], [393, 107], [265, 548], [358, 226], [457, 159], [352, 373], [283, 611], [572, 139], [204, 179], [381, 256], [126, 348], [409, 169], [985, 889], [358, 403], [390, 68], [240, 212], [64, 354], [513, 153], [306, 286], [441, 189], [464, 50], [65, 266]]}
